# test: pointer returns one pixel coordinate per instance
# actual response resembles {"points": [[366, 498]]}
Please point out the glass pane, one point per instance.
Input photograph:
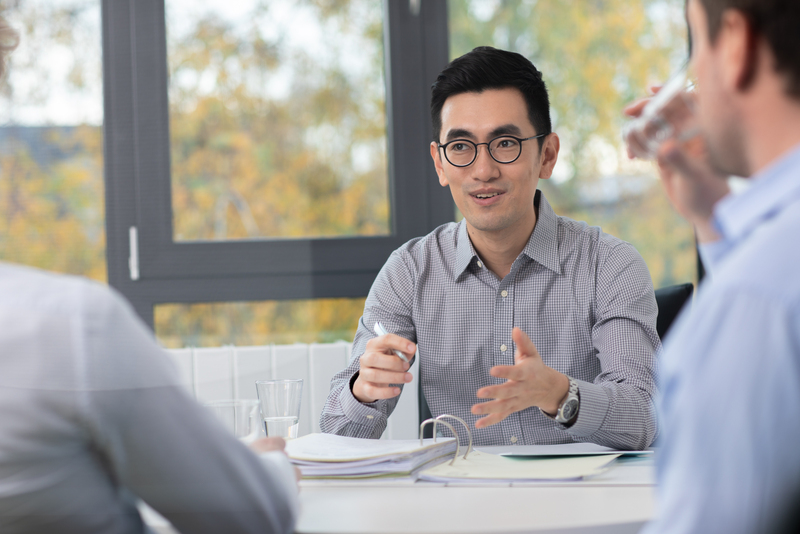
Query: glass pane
{"points": [[277, 119], [51, 151], [257, 323], [596, 56]]}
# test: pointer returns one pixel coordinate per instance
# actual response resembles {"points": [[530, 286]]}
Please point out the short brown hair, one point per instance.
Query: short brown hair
{"points": [[9, 39], [778, 21]]}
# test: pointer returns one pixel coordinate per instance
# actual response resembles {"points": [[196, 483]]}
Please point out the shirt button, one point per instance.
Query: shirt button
{"points": [[503, 348], [504, 293], [480, 264], [513, 439], [370, 416]]}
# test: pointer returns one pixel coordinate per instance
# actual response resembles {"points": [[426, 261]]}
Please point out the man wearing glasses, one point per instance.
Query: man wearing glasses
{"points": [[533, 328]]}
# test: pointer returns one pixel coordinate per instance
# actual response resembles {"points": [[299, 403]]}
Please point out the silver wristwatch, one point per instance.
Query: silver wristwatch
{"points": [[568, 409]]}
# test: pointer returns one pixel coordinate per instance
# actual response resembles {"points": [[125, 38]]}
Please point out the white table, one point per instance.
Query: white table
{"points": [[619, 501]]}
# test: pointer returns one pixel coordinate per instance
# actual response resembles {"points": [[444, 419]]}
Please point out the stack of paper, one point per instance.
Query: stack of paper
{"points": [[330, 456]]}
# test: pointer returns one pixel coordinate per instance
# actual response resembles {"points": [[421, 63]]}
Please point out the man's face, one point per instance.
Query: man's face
{"points": [[492, 196], [715, 108]]}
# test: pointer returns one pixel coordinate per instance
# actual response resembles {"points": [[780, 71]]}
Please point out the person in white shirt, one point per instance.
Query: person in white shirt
{"points": [[93, 418]]}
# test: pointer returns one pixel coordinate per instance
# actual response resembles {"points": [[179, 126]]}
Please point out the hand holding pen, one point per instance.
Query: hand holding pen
{"points": [[383, 366]]}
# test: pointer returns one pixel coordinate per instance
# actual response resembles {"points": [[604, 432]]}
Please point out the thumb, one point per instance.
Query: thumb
{"points": [[525, 347]]}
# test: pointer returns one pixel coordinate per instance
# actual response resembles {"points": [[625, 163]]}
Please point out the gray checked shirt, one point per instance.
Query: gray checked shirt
{"points": [[584, 297]]}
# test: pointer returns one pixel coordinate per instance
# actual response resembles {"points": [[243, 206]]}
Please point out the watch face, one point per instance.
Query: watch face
{"points": [[569, 409]]}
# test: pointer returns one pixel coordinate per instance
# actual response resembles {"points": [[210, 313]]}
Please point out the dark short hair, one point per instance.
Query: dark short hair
{"points": [[778, 21], [489, 68]]}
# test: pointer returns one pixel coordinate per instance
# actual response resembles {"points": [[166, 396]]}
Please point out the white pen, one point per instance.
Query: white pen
{"points": [[381, 331]]}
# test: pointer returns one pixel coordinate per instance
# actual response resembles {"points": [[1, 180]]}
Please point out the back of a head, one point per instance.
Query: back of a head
{"points": [[9, 39], [777, 21], [489, 68]]}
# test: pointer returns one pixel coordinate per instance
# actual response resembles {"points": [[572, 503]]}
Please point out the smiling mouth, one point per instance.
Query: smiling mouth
{"points": [[486, 195]]}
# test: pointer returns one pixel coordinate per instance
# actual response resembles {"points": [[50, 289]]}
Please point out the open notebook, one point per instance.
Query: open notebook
{"points": [[326, 456], [482, 467]]}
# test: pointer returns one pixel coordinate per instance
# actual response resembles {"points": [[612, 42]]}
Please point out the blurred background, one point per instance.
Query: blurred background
{"points": [[278, 131]]}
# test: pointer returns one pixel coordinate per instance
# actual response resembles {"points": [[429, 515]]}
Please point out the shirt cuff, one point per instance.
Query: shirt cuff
{"points": [[357, 412], [277, 464], [592, 411]]}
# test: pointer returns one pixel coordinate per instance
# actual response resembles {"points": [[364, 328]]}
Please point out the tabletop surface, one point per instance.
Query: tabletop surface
{"points": [[618, 501]]}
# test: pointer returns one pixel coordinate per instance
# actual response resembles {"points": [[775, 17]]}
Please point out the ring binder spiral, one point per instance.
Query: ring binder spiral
{"points": [[483, 467], [437, 420]]}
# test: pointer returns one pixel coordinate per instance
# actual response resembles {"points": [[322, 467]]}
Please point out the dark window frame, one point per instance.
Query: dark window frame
{"points": [[138, 183]]}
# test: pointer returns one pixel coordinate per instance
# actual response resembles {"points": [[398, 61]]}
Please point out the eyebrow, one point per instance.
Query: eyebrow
{"points": [[506, 129]]}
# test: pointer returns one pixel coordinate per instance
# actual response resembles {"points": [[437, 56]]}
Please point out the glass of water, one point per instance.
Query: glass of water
{"points": [[240, 417], [669, 114], [280, 406]]}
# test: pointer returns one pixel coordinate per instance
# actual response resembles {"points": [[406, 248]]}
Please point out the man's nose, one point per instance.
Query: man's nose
{"points": [[484, 167]]}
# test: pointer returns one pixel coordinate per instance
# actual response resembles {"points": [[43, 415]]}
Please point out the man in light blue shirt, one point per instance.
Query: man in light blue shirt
{"points": [[730, 385]]}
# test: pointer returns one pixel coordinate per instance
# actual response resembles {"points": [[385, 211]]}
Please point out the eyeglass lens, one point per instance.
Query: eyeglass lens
{"points": [[502, 149]]}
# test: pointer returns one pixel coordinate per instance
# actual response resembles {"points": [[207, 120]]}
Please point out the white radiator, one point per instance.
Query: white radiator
{"points": [[230, 373]]}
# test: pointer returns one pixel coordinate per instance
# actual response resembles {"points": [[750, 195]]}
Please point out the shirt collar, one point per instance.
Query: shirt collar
{"points": [[542, 246], [770, 191]]}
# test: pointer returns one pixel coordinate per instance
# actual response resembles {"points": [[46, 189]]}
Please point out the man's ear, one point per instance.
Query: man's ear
{"points": [[437, 163], [738, 44], [549, 155]]}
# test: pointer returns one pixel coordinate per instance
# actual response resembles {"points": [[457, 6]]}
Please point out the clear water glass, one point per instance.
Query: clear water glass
{"points": [[280, 406], [240, 416], [670, 114]]}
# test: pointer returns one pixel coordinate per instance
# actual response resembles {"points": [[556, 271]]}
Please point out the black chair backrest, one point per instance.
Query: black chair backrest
{"points": [[670, 300]]}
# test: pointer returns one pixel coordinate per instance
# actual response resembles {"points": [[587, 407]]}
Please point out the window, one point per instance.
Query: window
{"points": [[219, 245], [51, 146]]}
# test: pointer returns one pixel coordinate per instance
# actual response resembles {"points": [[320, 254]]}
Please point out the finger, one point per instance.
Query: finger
{"points": [[268, 444], [509, 372], [525, 347], [379, 360], [635, 108], [501, 391], [490, 420], [380, 376], [495, 406], [389, 342]]}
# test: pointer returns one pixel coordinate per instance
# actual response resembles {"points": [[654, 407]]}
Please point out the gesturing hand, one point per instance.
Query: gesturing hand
{"points": [[529, 383], [380, 368]]}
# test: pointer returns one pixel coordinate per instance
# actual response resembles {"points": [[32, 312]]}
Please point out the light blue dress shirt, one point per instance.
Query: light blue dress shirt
{"points": [[730, 406]]}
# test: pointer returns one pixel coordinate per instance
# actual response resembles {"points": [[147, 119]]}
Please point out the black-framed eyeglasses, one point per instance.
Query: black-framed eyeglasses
{"points": [[503, 149]]}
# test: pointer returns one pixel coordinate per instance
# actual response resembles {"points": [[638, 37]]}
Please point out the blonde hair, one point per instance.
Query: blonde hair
{"points": [[9, 39]]}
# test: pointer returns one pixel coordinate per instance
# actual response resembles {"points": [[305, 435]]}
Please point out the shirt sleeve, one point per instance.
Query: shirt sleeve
{"points": [[390, 301], [617, 408], [159, 444]]}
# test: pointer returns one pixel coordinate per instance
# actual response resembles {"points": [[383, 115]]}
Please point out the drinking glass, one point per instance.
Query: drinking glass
{"points": [[280, 406], [670, 114], [240, 417]]}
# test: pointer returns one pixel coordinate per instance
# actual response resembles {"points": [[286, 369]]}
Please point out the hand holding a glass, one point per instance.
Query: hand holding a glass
{"points": [[665, 127]]}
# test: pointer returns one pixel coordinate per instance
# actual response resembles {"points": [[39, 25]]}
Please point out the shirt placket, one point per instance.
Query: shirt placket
{"points": [[502, 326]]}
